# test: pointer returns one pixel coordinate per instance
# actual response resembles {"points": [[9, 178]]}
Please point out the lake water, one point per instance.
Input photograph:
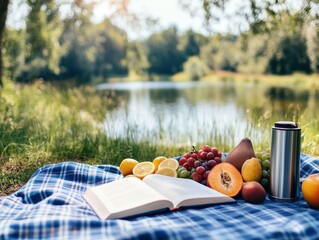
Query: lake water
{"points": [[189, 113]]}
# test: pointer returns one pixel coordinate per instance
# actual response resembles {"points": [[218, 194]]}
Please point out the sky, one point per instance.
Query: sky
{"points": [[167, 12]]}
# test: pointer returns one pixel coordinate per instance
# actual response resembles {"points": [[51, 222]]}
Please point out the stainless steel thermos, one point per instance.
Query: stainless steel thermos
{"points": [[285, 161]]}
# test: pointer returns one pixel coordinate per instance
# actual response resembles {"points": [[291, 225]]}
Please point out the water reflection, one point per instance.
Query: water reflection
{"points": [[193, 112], [285, 101], [162, 95]]}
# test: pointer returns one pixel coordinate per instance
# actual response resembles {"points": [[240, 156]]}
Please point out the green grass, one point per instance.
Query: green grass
{"points": [[42, 124]]}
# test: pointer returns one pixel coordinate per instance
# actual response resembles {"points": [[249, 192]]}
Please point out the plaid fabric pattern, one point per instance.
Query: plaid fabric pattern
{"points": [[50, 206]]}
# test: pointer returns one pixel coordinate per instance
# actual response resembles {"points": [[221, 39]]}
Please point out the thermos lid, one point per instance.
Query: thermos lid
{"points": [[286, 124]]}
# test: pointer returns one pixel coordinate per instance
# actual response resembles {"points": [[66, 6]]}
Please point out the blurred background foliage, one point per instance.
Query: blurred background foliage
{"points": [[282, 38]]}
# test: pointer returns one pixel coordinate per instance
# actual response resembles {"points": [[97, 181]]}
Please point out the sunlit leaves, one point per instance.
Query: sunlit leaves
{"points": [[43, 32]]}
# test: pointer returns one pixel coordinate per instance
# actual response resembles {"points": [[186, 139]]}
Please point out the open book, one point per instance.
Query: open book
{"points": [[132, 196]]}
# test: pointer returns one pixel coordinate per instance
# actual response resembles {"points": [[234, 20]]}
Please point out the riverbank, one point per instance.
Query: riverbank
{"points": [[295, 80], [42, 124]]}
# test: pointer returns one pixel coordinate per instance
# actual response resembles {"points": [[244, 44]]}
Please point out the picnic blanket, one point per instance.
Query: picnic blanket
{"points": [[50, 206]]}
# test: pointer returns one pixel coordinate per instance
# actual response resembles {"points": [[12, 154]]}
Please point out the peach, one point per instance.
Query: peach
{"points": [[253, 192]]}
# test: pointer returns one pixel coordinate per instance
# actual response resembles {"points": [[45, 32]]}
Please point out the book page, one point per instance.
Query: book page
{"points": [[125, 197], [185, 192]]}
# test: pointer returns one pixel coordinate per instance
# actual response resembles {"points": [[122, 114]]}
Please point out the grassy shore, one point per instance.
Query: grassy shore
{"points": [[296, 80], [41, 124]]}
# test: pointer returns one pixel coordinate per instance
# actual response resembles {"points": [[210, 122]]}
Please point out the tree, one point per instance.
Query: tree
{"points": [[163, 53], [312, 40], [80, 40], [285, 44], [190, 42], [13, 52], [93, 51], [137, 61], [113, 47], [43, 31], [255, 52], [290, 55], [3, 16], [195, 68], [221, 53]]}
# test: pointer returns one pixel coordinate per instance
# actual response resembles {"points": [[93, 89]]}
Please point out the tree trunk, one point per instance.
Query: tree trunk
{"points": [[3, 16]]}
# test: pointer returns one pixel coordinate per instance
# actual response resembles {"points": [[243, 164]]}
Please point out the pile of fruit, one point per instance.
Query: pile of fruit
{"points": [[198, 164], [161, 165], [241, 172], [244, 173], [206, 166]]}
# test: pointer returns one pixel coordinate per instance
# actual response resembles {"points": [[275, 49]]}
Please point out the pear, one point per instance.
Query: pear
{"points": [[242, 152]]}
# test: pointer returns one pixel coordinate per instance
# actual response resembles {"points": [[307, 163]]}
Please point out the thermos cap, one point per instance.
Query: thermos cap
{"points": [[286, 125]]}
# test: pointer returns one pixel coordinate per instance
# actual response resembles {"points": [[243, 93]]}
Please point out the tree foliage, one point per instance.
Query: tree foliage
{"points": [[13, 53], [195, 68], [3, 16], [290, 55], [190, 43], [221, 53], [80, 41], [282, 38], [137, 61], [43, 32], [163, 53], [114, 47]]}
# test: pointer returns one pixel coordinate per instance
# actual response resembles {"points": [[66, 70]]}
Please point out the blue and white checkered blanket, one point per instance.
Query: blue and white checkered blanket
{"points": [[50, 206]]}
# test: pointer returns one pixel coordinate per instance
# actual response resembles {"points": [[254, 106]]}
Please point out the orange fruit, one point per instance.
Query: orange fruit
{"points": [[127, 165], [157, 161], [167, 172], [170, 163], [143, 169], [310, 190]]}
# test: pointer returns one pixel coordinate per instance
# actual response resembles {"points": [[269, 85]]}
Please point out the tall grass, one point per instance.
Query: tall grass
{"points": [[41, 124]]}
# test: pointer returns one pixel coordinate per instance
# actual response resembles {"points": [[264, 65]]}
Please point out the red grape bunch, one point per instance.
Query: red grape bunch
{"points": [[197, 164]]}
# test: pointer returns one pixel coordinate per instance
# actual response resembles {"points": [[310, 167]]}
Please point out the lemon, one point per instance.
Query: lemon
{"points": [[167, 172], [130, 175], [127, 165], [170, 163], [143, 169], [251, 170], [157, 161]]}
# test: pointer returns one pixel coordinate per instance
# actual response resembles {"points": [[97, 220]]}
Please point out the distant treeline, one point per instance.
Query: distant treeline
{"points": [[75, 48]]}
